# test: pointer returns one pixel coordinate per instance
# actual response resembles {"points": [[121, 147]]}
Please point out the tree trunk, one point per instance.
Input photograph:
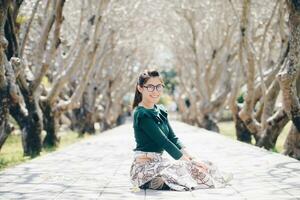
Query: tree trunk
{"points": [[208, 122], [6, 82], [104, 125], [272, 131], [291, 145], [4, 126], [85, 115], [11, 27], [3, 80], [30, 123], [4, 108], [87, 125], [50, 121], [83, 121], [29, 118], [249, 63], [241, 130], [288, 78]]}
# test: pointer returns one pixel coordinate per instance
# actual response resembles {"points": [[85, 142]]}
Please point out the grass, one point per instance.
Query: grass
{"points": [[227, 129], [12, 152]]}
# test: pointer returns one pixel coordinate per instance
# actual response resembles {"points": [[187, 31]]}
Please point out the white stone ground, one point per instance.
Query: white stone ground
{"points": [[98, 168]]}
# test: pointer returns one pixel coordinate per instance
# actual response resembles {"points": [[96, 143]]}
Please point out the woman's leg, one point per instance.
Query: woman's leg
{"points": [[157, 183]]}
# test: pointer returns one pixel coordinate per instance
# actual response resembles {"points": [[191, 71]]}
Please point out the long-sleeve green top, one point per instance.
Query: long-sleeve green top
{"points": [[153, 132]]}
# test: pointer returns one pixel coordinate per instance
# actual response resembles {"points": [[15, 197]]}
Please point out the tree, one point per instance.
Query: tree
{"points": [[205, 63], [18, 92], [289, 80], [4, 79], [258, 115]]}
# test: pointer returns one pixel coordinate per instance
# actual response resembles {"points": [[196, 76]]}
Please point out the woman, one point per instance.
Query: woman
{"points": [[153, 135]]}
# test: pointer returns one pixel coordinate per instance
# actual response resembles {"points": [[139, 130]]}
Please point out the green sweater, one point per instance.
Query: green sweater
{"points": [[153, 132]]}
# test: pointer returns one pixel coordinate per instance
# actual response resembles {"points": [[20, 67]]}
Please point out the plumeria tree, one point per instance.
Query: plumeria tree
{"points": [[79, 60]]}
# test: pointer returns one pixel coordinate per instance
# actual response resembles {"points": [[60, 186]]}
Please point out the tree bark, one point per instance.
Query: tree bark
{"points": [[243, 134], [50, 120], [208, 122], [30, 123], [246, 113], [11, 27], [288, 78], [291, 145], [52, 107], [85, 115], [3, 80], [273, 129], [29, 120]]}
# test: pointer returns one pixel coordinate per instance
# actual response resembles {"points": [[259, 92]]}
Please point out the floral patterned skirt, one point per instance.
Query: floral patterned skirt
{"points": [[176, 174]]}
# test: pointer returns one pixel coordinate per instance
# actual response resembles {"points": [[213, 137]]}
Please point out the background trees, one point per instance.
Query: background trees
{"points": [[75, 63]]}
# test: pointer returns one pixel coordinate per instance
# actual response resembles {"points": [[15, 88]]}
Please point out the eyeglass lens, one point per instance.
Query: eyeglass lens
{"points": [[151, 87]]}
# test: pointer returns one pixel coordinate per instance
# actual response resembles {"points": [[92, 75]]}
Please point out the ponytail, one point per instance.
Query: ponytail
{"points": [[137, 98]]}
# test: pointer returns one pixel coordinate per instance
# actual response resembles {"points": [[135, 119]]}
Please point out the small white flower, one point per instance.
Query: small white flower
{"points": [[135, 189]]}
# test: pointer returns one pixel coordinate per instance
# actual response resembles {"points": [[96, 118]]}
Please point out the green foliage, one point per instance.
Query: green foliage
{"points": [[165, 99], [46, 82], [275, 150], [240, 98], [169, 80], [21, 19]]}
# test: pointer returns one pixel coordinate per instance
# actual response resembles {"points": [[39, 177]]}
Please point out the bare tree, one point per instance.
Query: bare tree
{"points": [[19, 95], [205, 77], [289, 79], [4, 80], [80, 59], [53, 107], [258, 115]]}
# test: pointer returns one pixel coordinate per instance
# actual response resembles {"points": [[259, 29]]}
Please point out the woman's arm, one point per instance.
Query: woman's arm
{"points": [[186, 156], [173, 137], [156, 134]]}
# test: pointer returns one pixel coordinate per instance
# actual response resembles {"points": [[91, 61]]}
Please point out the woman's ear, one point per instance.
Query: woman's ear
{"points": [[140, 89]]}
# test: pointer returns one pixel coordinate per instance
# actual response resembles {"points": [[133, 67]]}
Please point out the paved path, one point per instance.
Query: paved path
{"points": [[98, 168]]}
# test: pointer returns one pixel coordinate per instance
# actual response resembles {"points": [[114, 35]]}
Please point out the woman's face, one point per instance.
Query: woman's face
{"points": [[151, 90]]}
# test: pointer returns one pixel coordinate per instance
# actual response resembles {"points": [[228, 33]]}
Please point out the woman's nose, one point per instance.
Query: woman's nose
{"points": [[156, 92]]}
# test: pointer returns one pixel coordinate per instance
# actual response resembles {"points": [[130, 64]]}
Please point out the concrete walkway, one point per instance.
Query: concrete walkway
{"points": [[98, 168]]}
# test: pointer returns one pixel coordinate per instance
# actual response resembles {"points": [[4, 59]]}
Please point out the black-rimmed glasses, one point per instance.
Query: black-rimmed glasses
{"points": [[151, 88]]}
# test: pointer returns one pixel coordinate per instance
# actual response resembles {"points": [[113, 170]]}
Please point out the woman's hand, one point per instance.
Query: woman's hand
{"points": [[184, 157], [201, 165], [188, 157]]}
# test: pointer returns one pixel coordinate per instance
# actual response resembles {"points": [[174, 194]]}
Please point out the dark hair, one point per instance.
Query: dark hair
{"points": [[143, 78]]}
